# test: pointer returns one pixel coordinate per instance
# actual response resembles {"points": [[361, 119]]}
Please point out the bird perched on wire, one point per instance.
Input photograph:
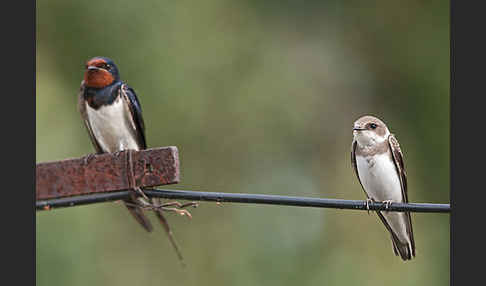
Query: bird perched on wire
{"points": [[113, 117], [378, 163]]}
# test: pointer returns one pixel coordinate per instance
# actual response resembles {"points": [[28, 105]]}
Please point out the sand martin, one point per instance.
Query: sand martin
{"points": [[378, 163]]}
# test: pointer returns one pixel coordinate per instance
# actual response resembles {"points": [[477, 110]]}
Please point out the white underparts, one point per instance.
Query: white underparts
{"points": [[380, 180], [111, 126]]}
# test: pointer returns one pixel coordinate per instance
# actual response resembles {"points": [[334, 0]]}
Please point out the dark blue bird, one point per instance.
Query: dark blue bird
{"points": [[113, 117]]}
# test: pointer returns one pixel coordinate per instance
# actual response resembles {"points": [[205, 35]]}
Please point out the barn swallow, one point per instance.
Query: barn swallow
{"points": [[377, 160], [113, 117]]}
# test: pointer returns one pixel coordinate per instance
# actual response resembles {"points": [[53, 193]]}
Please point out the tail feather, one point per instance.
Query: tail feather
{"points": [[405, 250], [395, 250], [410, 233], [138, 214], [168, 230]]}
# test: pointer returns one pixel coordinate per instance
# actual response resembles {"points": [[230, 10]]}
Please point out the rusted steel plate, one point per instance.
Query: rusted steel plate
{"points": [[107, 172]]}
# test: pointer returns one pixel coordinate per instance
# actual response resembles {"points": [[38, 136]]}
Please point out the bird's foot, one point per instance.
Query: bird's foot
{"points": [[368, 201], [88, 158], [117, 153], [387, 204]]}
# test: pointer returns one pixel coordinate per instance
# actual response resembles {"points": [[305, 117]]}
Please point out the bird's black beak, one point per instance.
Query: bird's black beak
{"points": [[358, 129]]}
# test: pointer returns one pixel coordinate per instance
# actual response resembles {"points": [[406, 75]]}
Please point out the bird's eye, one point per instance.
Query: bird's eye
{"points": [[373, 126]]}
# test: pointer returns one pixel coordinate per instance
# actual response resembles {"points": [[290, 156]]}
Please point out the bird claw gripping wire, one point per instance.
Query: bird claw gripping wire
{"points": [[387, 204], [88, 158], [368, 201]]}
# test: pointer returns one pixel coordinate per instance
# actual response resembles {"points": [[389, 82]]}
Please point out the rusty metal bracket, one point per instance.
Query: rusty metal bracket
{"points": [[107, 173]]}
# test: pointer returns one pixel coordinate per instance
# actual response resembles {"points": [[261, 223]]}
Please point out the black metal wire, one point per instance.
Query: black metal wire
{"points": [[244, 198]]}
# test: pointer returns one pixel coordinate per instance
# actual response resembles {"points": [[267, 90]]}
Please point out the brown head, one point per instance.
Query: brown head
{"points": [[100, 72], [369, 130]]}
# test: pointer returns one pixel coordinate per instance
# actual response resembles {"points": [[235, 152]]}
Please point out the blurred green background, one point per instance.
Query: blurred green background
{"points": [[259, 97]]}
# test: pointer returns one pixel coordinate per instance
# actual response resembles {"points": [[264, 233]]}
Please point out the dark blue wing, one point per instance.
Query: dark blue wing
{"points": [[136, 111]]}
